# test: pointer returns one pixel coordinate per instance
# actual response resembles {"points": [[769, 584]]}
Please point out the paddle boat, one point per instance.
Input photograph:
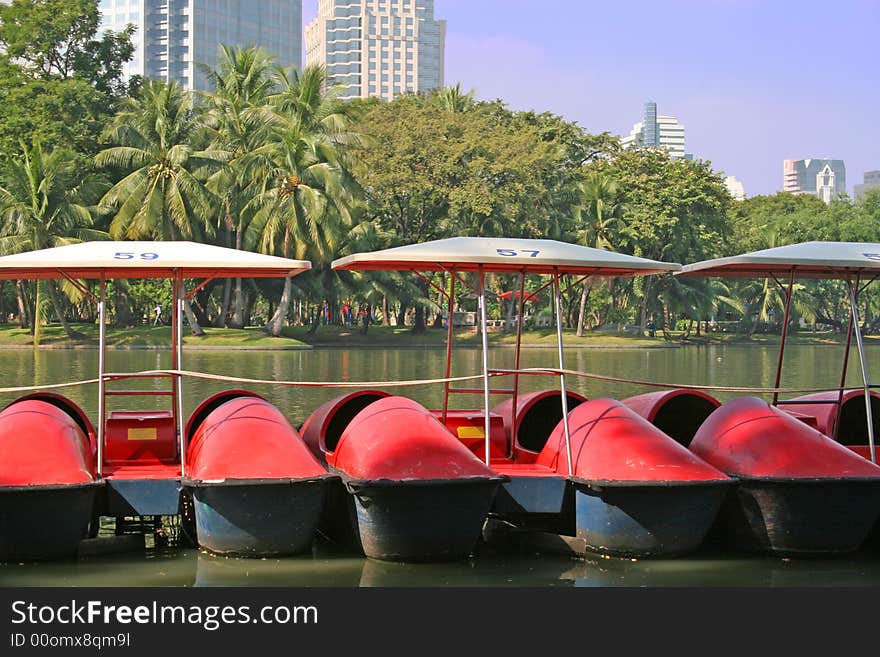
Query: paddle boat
{"points": [[49, 484], [800, 490], [256, 489], [545, 478]]}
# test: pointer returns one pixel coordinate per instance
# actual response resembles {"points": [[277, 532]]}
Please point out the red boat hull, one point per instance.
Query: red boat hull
{"points": [[850, 423], [256, 488], [323, 428], [416, 492], [537, 415], [48, 485], [800, 492], [677, 413], [637, 492]]}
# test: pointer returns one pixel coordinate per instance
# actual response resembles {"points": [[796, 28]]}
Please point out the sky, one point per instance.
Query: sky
{"points": [[753, 81]]}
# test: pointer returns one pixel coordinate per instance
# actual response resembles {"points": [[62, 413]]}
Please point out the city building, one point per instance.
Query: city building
{"points": [[173, 36], [658, 131], [735, 187], [821, 177], [380, 48], [871, 180]]}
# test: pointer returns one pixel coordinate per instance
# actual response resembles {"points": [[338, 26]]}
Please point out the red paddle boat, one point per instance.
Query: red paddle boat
{"points": [[256, 488], [524, 442], [800, 491]]}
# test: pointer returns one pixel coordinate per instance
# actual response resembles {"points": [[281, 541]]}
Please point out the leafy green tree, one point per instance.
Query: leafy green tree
{"points": [[59, 81], [306, 192], [162, 196], [453, 99], [243, 82], [598, 212], [676, 212], [46, 200]]}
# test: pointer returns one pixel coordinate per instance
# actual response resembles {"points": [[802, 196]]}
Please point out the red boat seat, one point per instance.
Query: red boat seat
{"points": [[140, 436], [469, 426]]}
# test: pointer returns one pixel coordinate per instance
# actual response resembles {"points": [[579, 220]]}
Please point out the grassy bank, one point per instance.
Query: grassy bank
{"points": [[146, 337], [11, 336]]}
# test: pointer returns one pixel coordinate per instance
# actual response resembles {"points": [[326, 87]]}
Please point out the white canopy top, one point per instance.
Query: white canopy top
{"points": [[807, 260], [145, 260], [504, 254]]}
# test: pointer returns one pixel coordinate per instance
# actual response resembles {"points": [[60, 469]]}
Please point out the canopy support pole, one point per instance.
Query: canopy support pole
{"points": [[485, 336], [869, 419], [785, 317], [450, 308], [102, 366], [177, 362], [849, 334], [516, 360], [558, 297]]}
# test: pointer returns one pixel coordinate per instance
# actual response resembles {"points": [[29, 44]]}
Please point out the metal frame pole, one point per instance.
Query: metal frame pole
{"points": [[177, 363], [485, 338], [102, 343], [788, 296], [565, 427], [869, 419], [450, 309], [516, 359], [849, 334]]}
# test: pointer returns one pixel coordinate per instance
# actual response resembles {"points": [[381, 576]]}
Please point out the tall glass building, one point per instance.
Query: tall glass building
{"points": [[378, 47], [819, 177], [657, 131], [870, 180], [173, 36]]}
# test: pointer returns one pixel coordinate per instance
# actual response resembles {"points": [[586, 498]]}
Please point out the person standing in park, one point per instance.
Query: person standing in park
{"points": [[158, 315]]}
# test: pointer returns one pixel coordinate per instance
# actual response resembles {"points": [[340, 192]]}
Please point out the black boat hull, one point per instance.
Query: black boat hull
{"points": [[799, 516], [647, 519], [421, 520], [257, 518], [46, 522]]}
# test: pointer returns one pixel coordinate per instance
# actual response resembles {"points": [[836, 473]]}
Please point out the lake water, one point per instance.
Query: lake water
{"points": [[739, 366]]}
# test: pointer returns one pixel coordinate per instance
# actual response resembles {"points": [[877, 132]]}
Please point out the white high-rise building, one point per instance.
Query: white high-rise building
{"points": [[735, 187], [378, 48], [663, 131], [173, 36]]}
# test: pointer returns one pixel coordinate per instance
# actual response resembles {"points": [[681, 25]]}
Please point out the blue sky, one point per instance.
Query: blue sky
{"points": [[753, 81]]}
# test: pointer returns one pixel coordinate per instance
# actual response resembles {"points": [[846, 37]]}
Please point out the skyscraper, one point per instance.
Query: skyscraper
{"points": [[378, 47], [173, 36], [735, 187], [657, 131], [820, 177], [870, 180]]}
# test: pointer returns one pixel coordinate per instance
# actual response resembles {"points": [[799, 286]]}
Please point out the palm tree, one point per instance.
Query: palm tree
{"points": [[243, 82], [45, 201], [303, 207], [452, 99], [596, 204], [163, 195]]}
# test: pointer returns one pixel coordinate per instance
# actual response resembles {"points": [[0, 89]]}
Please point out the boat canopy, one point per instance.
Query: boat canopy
{"points": [[503, 254], [145, 259], [806, 260]]}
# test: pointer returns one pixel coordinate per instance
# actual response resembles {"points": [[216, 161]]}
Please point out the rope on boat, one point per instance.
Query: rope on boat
{"points": [[305, 384], [47, 386], [544, 371], [660, 384]]}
